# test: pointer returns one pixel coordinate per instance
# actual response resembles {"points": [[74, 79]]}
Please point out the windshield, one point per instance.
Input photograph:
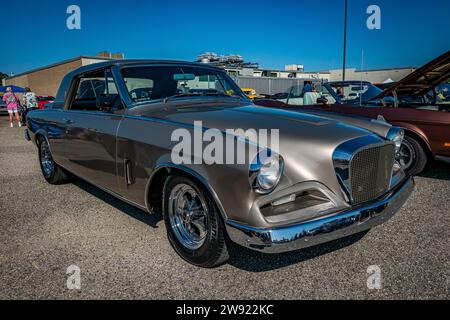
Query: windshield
{"points": [[354, 91], [306, 94], [156, 83]]}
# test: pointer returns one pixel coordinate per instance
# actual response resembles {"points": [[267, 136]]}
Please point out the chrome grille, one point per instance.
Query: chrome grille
{"points": [[371, 172]]}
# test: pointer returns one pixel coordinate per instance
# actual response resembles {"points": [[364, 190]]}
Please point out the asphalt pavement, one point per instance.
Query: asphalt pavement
{"points": [[122, 252]]}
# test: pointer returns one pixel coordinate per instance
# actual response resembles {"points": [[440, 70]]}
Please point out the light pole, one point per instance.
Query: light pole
{"points": [[345, 40]]}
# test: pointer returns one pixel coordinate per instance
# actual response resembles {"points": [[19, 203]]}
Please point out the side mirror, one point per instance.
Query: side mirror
{"points": [[322, 100], [105, 102]]}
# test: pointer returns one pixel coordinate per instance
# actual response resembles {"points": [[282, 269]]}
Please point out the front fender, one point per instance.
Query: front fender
{"points": [[414, 129], [198, 172]]}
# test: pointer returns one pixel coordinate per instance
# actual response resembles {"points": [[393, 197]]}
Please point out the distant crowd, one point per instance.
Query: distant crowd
{"points": [[15, 107]]}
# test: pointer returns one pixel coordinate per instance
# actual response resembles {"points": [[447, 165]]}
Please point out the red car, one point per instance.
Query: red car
{"points": [[413, 104], [43, 100]]}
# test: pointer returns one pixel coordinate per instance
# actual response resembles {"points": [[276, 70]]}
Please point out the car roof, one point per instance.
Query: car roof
{"points": [[65, 83], [137, 62]]}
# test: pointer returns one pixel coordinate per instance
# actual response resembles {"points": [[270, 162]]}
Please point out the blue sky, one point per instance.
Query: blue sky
{"points": [[272, 33]]}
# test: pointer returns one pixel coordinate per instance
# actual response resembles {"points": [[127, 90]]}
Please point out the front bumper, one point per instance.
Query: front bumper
{"points": [[325, 229]]}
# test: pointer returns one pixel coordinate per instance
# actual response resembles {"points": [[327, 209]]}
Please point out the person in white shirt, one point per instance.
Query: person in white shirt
{"points": [[29, 99]]}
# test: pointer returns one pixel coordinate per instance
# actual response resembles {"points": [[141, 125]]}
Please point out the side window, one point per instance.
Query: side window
{"points": [[94, 90], [88, 88]]}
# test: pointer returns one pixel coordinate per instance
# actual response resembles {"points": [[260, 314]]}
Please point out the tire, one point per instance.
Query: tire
{"points": [[198, 238], [418, 160], [53, 173]]}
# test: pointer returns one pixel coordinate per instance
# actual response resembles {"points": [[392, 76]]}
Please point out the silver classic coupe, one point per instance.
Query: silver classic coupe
{"points": [[132, 128]]}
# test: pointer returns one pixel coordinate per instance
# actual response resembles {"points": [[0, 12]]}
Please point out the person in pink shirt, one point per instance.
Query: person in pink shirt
{"points": [[12, 105]]}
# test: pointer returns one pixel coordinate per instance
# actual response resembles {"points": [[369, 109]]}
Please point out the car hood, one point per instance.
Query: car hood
{"points": [[306, 141], [423, 79], [378, 126], [296, 129]]}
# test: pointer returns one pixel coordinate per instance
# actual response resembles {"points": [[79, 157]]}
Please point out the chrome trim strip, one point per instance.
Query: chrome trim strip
{"points": [[325, 229]]}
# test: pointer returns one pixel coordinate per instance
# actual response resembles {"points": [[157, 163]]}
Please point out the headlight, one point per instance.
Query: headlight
{"points": [[396, 135], [265, 171]]}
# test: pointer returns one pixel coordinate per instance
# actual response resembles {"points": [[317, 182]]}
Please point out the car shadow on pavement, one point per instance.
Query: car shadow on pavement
{"points": [[141, 215], [240, 257], [436, 170], [249, 260]]}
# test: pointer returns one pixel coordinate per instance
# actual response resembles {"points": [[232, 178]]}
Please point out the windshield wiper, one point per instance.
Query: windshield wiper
{"points": [[181, 95], [222, 94]]}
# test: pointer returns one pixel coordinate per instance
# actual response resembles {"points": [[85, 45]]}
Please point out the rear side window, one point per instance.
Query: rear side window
{"points": [[91, 88]]}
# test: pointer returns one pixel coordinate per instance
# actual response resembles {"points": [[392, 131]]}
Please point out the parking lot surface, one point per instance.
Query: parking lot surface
{"points": [[123, 253]]}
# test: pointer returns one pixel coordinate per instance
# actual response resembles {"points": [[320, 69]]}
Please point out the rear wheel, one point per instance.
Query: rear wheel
{"points": [[194, 226], [53, 173], [411, 156]]}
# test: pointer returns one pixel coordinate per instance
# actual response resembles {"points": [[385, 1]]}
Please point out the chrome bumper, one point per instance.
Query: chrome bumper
{"points": [[307, 234]]}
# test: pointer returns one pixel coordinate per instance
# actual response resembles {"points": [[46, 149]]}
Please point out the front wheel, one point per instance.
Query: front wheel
{"points": [[411, 156], [194, 226], [53, 173]]}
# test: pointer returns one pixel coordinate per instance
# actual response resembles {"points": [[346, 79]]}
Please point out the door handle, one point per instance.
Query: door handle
{"points": [[67, 121], [128, 175]]}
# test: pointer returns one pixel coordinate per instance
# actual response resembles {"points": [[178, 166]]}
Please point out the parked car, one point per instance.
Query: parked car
{"points": [[3, 109], [327, 180], [412, 104], [44, 100]]}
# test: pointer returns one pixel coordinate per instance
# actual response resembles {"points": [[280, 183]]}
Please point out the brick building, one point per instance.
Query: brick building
{"points": [[45, 81]]}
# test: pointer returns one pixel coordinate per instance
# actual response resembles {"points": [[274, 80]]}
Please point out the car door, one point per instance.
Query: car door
{"points": [[91, 127]]}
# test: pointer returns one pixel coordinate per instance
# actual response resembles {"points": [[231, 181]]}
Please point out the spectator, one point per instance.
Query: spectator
{"points": [[29, 100], [12, 105], [307, 87]]}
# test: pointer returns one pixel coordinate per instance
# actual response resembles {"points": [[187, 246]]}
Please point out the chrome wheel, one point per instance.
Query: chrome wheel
{"points": [[405, 155], [188, 216], [46, 159]]}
